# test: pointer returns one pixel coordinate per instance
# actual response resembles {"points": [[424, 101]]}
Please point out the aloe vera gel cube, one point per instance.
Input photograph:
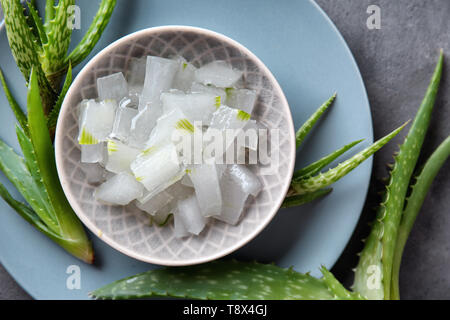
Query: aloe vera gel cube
{"points": [[159, 76], [201, 88], [205, 179], [242, 99], [96, 121], [157, 169], [196, 106], [122, 123], [184, 76], [92, 153], [120, 189], [155, 203], [113, 87], [189, 214], [120, 156], [217, 73]]}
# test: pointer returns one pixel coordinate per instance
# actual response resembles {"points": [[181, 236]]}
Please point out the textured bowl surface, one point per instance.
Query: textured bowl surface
{"points": [[126, 228]]}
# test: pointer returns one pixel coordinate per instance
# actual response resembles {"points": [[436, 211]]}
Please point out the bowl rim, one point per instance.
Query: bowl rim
{"points": [[59, 137]]}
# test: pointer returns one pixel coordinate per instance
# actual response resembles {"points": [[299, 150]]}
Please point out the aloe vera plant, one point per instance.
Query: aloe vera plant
{"points": [[34, 176], [40, 50], [44, 46], [257, 281]]}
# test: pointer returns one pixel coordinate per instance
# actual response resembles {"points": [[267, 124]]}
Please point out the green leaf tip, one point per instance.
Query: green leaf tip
{"points": [[323, 180], [309, 124]]}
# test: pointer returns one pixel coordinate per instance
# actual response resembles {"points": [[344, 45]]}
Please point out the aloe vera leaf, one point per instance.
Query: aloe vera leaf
{"points": [[315, 167], [71, 228], [23, 48], [53, 116], [219, 280], [93, 34], [414, 203], [18, 112], [309, 124], [329, 177], [381, 243], [55, 49], [337, 288], [37, 23], [298, 200], [15, 169], [49, 13], [25, 212], [33, 169]]}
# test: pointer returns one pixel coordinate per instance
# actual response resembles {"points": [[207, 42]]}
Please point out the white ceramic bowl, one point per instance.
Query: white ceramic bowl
{"points": [[124, 228]]}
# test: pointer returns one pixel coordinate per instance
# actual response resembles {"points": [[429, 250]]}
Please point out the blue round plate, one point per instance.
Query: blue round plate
{"points": [[310, 59]]}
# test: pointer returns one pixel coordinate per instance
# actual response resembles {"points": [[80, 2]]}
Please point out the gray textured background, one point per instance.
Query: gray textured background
{"points": [[396, 63]]}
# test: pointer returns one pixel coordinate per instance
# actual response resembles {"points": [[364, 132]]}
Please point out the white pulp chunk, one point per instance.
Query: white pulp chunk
{"points": [[248, 181], [180, 191], [122, 122], [157, 168], [179, 228], [197, 106], [217, 73], [243, 99], [97, 121], [156, 203], [205, 179], [121, 189], [120, 156], [185, 75], [92, 153], [190, 215], [218, 92], [233, 198], [159, 76], [136, 73], [164, 131], [142, 125], [113, 87], [226, 124], [237, 184]]}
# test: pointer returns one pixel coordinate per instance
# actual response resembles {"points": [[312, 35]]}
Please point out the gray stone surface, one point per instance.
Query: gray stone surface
{"points": [[396, 63]]}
